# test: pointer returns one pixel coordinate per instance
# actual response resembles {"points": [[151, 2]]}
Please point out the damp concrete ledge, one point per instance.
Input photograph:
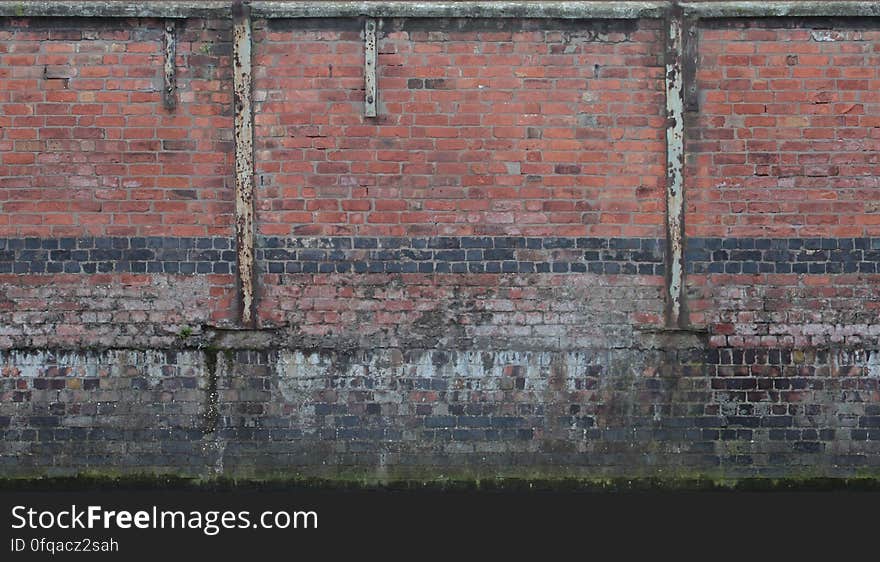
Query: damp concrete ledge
{"points": [[462, 9], [282, 9]]}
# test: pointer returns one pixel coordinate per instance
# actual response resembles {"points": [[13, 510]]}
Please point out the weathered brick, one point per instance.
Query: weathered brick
{"points": [[475, 278]]}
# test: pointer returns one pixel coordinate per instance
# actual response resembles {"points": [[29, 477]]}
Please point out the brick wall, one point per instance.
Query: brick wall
{"points": [[783, 184], [484, 128], [471, 283], [105, 195], [489, 157]]}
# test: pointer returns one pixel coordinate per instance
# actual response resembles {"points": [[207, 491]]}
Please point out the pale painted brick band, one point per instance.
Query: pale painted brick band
{"points": [[464, 254]]}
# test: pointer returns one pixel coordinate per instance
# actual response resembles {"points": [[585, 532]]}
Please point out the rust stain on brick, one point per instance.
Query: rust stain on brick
{"points": [[244, 158]]}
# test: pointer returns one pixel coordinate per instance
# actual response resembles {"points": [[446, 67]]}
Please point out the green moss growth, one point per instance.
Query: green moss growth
{"points": [[573, 485]]}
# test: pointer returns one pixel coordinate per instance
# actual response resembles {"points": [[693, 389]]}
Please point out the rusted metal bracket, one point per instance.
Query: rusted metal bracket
{"points": [[676, 310], [690, 63], [169, 92], [370, 90], [244, 158]]}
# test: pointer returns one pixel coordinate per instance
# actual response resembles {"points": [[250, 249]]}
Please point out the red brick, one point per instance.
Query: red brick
{"points": [[468, 131]]}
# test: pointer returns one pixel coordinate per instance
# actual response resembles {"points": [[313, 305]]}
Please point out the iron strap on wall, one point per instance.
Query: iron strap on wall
{"points": [[680, 18]]}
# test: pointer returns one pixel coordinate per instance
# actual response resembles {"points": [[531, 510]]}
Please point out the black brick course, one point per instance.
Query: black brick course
{"points": [[117, 255], [441, 254], [782, 255]]}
